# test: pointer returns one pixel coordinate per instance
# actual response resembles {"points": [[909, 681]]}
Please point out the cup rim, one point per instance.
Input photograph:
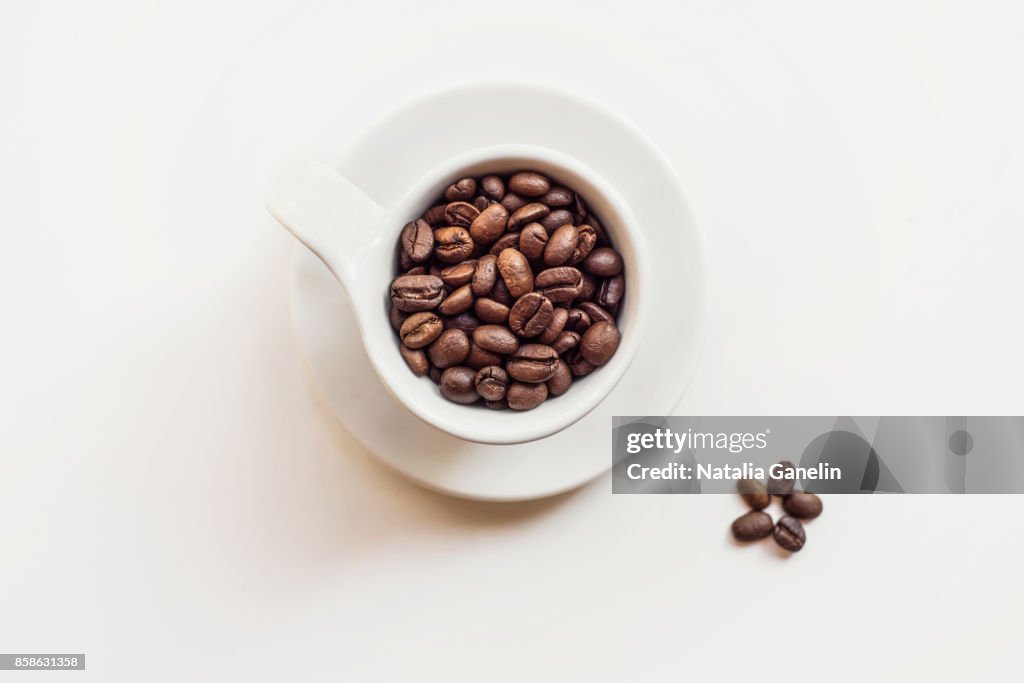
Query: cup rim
{"points": [[507, 427]]}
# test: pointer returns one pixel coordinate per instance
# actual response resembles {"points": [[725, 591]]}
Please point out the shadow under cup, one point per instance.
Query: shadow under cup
{"points": [[475, 421]]}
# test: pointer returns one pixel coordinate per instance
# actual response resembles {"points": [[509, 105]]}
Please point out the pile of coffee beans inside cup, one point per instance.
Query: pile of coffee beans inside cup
{"points": [[757, 524], [507, 290]]}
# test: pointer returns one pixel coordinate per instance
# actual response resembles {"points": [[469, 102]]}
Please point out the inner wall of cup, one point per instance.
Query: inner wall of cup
{"points": [[597, 204]]}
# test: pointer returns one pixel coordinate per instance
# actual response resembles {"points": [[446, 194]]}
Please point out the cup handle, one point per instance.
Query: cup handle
{"points": [[330, 215]]}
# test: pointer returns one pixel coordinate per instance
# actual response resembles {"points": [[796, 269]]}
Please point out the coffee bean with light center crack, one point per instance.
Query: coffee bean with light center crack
{"points": [[412, 293], [789, 534], [418, 240], [533, 363], [420, 329], [530, 315], [461, 190], [492, 383], [461, 214]]}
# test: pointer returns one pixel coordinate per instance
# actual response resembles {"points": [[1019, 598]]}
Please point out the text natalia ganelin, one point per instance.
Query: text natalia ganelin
{"points": [[733, 472]]}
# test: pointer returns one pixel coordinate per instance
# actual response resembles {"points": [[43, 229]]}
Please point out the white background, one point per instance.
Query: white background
{"points": [[175, 503]]}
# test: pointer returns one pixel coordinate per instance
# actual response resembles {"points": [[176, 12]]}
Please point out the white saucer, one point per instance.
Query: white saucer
{"points": [[390, 156]]}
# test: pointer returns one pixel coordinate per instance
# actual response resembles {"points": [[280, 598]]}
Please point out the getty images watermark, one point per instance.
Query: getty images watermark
{"points": [[828, 454], [667, 440]]}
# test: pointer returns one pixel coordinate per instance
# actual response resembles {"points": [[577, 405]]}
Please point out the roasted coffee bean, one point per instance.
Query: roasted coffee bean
{"points": [[600, 342], [515, 271], [496, 338], [435, 215], [602, 236], [578, 364], [528, 184], [752, 526], [459, 274], [496, 405], [493, 187], [435, 270], [754, 493], [484, 275], [561, 380], [789, 534], [467, 322], [412, 293], [522, 396], [579, 209], [500, 292], [457, 302], [490, 311], [435, 374], [603, 262], [559, 317], [415, 359], [556, 219], [610, 291], [481, 202], [588, 289], [560, 284], [524, 215], [481, 358], [532, 241], [418, 241], [783, 485], [461, 214], [561, 245], [420, 329], [510, 240], [492, 383], [452, 244], [587, 239], [802, 505], [530, 315], [532, 363], [461, 190], [596, 313], [566, 341], [511, 201], [578, 320], [418, 270], [557, 196], [457, 384], [449, 349], [489, 224], [397, 317]]}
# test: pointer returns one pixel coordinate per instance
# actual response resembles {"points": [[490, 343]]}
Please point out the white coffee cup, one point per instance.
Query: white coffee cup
{"points": [[357, 239]]}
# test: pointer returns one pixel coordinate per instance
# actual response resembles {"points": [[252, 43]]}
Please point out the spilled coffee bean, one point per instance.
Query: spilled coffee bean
{"points": [[754, 493], [507, 292], [802, 505], [752, 526], [788, 532]]}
